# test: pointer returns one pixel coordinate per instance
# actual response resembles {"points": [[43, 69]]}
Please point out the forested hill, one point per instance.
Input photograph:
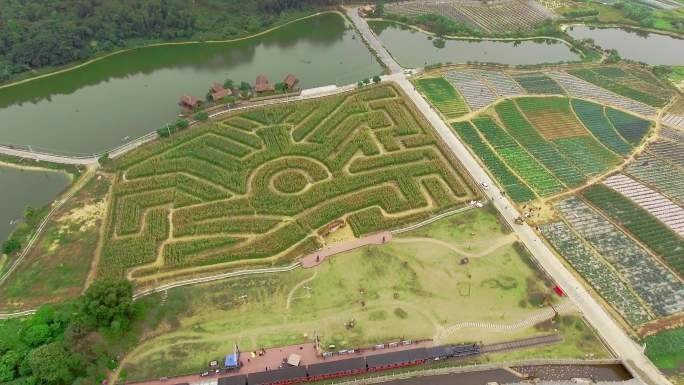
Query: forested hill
{"points": [[41, 33]]}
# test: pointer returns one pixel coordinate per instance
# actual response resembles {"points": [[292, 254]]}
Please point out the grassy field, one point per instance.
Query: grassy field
{"points": [[414, 287], [260, 184], [57, 265]]}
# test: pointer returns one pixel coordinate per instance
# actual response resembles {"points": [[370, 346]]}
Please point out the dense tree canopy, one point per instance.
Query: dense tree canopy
{"points": [[67, 343], [40, 33]]}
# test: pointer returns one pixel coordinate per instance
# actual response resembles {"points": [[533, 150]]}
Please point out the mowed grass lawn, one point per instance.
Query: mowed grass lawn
{"points": [[443, 96], [404, 289]]}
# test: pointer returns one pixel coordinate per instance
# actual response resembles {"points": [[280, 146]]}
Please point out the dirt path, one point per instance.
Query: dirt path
{"points": [[290, 295], [504, 241], [92, 273]]}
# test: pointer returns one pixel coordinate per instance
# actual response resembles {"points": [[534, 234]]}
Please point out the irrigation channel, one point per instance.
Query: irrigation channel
{"points": [[650, 48], [413, 49]]}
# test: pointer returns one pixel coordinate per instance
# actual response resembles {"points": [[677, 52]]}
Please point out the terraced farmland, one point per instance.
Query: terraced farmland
{"points": [[538, 84], [623, 84], [443, 96], [660, 289], [261, 183], [600, 275], [640, 222], [513, 186], [593, 116], [535, 144], [521, 162]]}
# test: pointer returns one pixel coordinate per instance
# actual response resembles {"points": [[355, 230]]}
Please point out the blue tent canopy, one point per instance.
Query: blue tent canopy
{"points": [[232, 360]]}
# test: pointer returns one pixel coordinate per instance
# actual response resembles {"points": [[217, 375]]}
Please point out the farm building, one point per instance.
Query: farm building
{"points": [[290, 81], [262, 84], [287, 375], [396, 359], [189, 102], [218, 92], [334, 369]]}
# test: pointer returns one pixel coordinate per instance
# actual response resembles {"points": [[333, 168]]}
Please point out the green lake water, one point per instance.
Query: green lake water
{"points": [[103, 104], [413, 49], [22, 188], [650, 48]]}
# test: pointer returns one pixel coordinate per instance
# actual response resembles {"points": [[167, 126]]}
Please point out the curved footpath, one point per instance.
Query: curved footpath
{"points": [[611, 333]]}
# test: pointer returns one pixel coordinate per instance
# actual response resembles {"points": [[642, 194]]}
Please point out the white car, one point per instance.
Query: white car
{"points": [[484, 185]]}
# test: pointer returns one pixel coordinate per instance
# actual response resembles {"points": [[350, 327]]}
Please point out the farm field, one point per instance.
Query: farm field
{"points": [[637, 85], [661, 290], [502, 16], [511, 184], [640, 223], [666, 350], [597, 272], [655, 172], [399, 290], [443, 96], [56, 267], [259, 185], [538, 84], [539, 142]]}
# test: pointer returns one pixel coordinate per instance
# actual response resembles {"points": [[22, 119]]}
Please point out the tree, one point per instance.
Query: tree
{"points": [[376, 79], [359, 84], [379, 8], [52, 364], [36, 335], [228, 84], [182, 124], [103, 159], [280, 87], [108, 303], [9, 366], [201, 116], [10, 246], [366, 81]]}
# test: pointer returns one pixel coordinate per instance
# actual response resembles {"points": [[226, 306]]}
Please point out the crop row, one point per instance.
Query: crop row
{"points": [[443, 96], [587, 154], [600, 275], [640, 223], [580, 88], [671, 151], [538, 84], [536, 176], [629, 126], [473, 88], [536, 145], [593, 117], [518, 191], [660, 174], [552, 116], [614, 85], [655, 284]]}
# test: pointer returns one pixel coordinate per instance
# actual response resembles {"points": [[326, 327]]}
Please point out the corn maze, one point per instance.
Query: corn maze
{"points": [[659, 289], [262, 183], [600, 275], [501, 16], [443, 96], [640, 222]]}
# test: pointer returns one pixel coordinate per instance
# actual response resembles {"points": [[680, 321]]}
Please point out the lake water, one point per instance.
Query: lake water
{"points": [[413, 49], [95, 107], [650, 48], [22, 188]]}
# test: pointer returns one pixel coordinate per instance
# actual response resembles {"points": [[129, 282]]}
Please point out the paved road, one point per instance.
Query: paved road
{"points": [[613, 335]]}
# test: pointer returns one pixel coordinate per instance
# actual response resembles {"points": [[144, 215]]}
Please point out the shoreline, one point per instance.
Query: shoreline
{"points": [[160, 44], [36, 168]]}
